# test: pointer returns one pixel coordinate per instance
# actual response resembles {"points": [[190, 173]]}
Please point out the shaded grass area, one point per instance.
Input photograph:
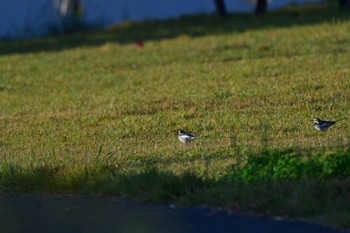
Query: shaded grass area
{"points": [[285, 184], [288, 165], [91, 113]]}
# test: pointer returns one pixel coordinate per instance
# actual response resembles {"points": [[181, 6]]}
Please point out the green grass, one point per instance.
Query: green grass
{"points": [[90, 113]]}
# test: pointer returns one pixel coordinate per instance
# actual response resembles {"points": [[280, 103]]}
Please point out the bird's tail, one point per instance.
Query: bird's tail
{"points": [[341, 119]]}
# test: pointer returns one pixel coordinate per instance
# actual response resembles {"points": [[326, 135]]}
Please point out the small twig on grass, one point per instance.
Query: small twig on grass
{"points": [[99, 153]]}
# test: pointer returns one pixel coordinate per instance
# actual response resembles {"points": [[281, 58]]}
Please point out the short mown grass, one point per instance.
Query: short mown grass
{"points": [[91, 113]]}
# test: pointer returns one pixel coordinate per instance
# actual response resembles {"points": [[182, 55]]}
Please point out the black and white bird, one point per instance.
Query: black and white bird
{"points": [[185, 137], [324, 125]]}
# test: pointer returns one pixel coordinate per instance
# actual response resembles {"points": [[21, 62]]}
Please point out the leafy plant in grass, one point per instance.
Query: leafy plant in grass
{"points": [[288, 165]]}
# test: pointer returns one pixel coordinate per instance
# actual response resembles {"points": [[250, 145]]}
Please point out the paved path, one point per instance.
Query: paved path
{"points": [[74, 214]]}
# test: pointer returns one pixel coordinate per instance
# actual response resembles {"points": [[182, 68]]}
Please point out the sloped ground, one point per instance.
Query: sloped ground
{"points": [[92, 113]]}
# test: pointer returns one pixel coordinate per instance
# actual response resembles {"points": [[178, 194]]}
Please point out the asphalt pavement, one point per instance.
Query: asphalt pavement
{"points": [[79, 214]]}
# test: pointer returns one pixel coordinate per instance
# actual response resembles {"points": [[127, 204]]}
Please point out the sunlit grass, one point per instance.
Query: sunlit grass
{"points": [[92, 113]]}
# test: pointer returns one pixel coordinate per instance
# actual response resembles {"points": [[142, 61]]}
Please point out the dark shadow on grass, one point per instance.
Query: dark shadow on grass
{"points": [[282, 183], [273, 183], [192, 26]]}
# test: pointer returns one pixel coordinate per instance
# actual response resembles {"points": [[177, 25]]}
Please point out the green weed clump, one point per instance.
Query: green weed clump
{"points": [[288, 165]]}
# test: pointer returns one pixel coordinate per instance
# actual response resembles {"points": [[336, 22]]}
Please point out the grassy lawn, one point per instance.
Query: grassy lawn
{"points": [[91, 113]]}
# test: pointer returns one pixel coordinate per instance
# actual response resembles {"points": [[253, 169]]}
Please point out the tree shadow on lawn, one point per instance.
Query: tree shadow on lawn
{"points": [[192, 26], [282, 183]]}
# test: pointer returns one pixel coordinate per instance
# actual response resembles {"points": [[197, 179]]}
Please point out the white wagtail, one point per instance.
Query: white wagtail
{"points": [[324, 125], [185, 137]]}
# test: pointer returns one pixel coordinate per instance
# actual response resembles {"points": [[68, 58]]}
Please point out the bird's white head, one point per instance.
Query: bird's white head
{"points": [[316, 121]]}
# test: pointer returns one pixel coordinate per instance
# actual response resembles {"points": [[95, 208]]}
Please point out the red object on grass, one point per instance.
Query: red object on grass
{"points": [[139, 44]]}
